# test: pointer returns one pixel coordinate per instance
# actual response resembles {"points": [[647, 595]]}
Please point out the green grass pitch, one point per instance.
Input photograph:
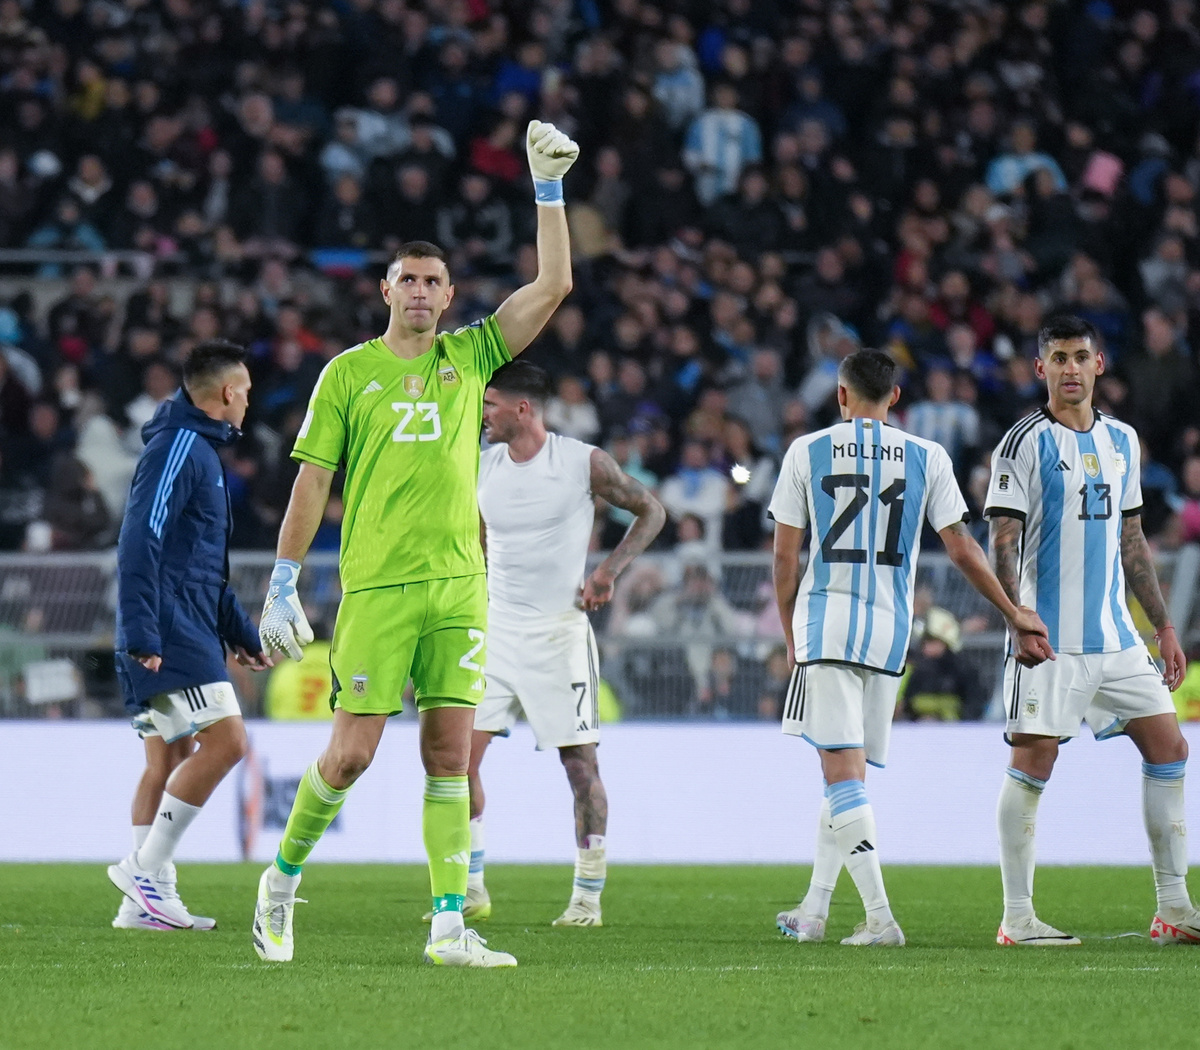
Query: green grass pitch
{"points": [[689, 958]]}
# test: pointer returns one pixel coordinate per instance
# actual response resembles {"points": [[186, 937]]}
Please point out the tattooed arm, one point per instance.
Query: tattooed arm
{"points": [[614, 486], [1029, 634], [1004, 540], [1138, 564]]}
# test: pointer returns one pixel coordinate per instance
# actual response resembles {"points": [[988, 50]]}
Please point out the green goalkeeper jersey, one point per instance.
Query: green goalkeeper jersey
{"points": [[407, 432]]}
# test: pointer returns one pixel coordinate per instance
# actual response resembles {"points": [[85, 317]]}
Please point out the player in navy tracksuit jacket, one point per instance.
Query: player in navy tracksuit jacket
{"points": [[176, 617]]}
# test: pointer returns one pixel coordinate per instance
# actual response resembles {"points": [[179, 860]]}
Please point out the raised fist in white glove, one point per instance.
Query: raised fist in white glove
{"points": [[551, 154], [284, 627]]}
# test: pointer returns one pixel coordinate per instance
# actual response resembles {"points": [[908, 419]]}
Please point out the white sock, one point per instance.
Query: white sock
{"points": [[281, 885], [173, 819], [475, 872], [1166, 827], [827, 865], [853, 823], [1016, 822], [591, 868], [446, 924], [140, 831]]}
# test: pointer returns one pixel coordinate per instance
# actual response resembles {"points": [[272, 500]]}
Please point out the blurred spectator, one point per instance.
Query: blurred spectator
{"points": [[696, 609], [1009, 171], [75, 510], [696, 488], [570, 412], [940, 685], [940, 417], [758, 400], [477, 229], [720, 142]]}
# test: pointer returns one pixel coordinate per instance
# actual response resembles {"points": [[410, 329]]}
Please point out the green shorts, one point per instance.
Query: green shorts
{"points": [[433, 631]]}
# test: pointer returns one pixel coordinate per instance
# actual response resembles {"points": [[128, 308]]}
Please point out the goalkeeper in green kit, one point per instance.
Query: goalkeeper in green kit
{"points": [[402, 413]]}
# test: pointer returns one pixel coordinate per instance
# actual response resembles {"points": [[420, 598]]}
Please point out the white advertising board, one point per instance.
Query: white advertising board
{"points": [[683, 793]]}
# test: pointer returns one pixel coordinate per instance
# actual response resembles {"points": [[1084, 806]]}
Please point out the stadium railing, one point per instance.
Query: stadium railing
{"points": [[57, 621]]}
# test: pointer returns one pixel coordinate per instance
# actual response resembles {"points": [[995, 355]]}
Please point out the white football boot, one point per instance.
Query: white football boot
{"points": [[1031, 932], [273, 920], [580, 912], [799, 925], [871, 935], [467, 949], [1176, 927], [152, 891]]}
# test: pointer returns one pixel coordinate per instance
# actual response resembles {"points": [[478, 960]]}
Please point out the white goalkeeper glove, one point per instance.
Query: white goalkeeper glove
{"points": [[551, 154], [284, 627]]}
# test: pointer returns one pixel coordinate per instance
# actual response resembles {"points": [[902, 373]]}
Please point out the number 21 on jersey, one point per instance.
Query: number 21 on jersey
{"points": [[408, 412], [860, 484]]}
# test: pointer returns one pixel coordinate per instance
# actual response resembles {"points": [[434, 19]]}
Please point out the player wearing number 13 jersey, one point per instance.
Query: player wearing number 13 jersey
{"points": [[1065, 504], [402, 414], [865, 490]]}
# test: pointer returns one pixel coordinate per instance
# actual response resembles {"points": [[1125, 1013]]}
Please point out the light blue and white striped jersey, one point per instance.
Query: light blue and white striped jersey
{"points": [[1071, 489], [865, 489]]}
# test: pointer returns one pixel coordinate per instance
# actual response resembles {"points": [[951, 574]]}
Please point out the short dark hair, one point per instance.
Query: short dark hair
{"points": [[1066, 326], [524, 378], [418, 250], [210, 359], [871, 374]]}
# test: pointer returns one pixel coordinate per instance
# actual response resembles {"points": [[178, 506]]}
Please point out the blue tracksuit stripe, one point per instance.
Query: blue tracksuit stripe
{"points": [[175, 460]]}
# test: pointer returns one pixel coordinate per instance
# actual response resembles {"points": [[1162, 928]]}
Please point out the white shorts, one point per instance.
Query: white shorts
{"points": [[176, 715], [1106, 690], [550, 670], [838, 706]]}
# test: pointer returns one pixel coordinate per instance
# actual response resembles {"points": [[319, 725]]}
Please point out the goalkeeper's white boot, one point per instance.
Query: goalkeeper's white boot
{"points": [[273, 919], [1177, 926], [152, 891], [580, 912], [876, 935], [467, 949], [799, 925], [477, 905], [1030, 932]]}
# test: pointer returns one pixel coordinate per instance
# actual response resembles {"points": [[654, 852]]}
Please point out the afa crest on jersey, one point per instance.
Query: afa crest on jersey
{"points": [[1091, 464], [414, 386], [447, 375], [358, 684], [1119, 463]]}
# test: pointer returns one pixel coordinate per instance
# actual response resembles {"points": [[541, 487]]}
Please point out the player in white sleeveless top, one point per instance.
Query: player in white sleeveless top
{"points": [[1065, 505], [537, 494]]}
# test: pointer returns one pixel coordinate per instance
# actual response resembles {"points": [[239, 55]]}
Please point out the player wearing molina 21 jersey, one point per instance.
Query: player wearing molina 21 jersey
{"points": [[402, 414], [864, 489], [1065, 503]]}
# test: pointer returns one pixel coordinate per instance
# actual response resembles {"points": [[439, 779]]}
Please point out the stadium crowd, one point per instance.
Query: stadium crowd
{"points": [[765, 186]]}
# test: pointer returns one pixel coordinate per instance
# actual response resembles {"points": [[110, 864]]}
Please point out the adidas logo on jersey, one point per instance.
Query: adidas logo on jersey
{"points": [[862, 847], [372, 387], [462, 857], [1062, 465]]}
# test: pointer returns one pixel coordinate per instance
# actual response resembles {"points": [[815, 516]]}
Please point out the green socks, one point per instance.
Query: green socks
{"points": [[313, 811], [446, 828]]}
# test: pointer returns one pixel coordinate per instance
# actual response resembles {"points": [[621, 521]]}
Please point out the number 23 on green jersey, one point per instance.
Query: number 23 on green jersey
{"points": [[407, 432]]}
